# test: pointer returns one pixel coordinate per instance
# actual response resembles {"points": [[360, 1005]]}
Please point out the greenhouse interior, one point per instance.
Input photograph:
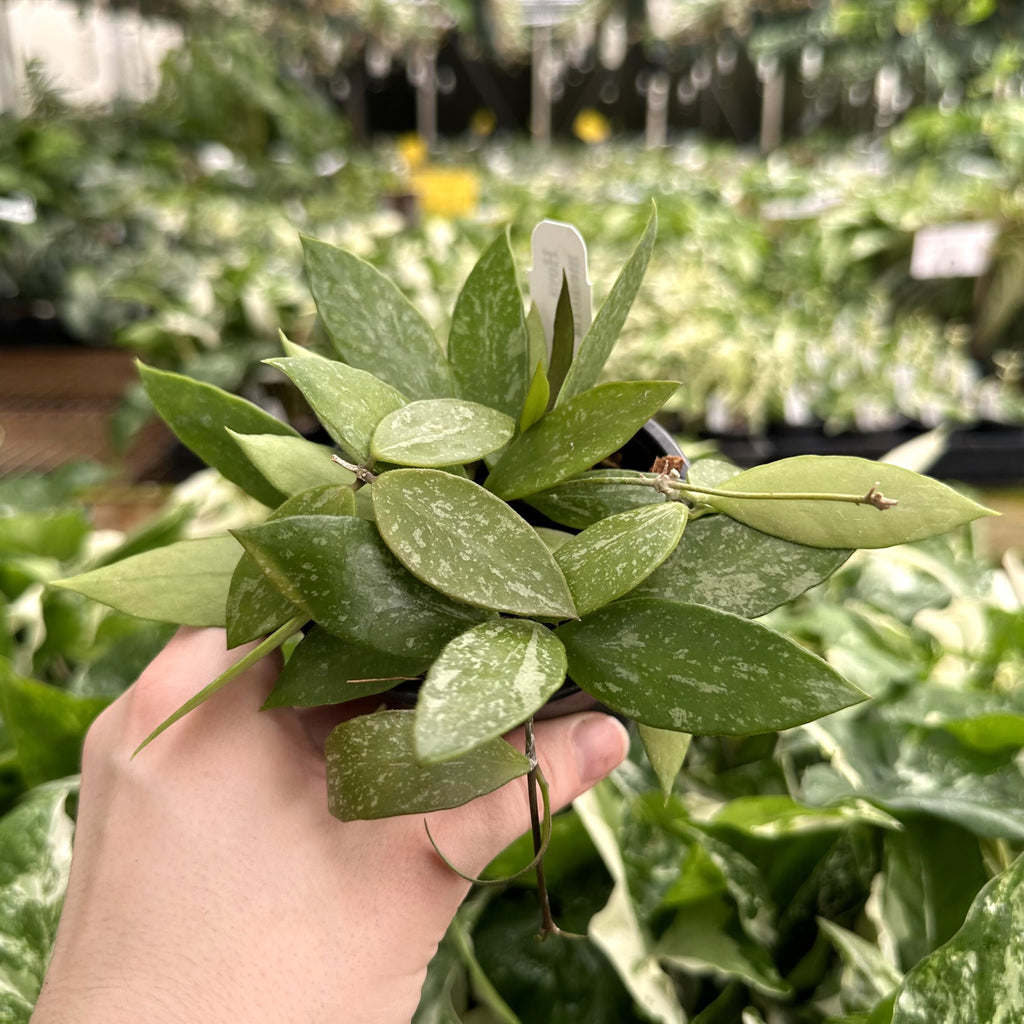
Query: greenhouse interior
{"points": [[659, 357]]}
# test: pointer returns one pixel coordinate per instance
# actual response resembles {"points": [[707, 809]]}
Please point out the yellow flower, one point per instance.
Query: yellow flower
{"points": [[446, 191], [591, 126], [413, 149]]}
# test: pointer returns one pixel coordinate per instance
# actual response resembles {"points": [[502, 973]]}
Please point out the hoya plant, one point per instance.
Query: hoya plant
{"points": [[407, 560]]}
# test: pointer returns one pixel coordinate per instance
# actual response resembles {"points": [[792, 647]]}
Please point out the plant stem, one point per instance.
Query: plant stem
{"points": [[666, 483], [535, 778], [363, 474]]}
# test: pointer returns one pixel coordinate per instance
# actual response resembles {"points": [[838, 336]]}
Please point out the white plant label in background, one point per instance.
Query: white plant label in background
{"points": [[559, 249], [953, 250]]}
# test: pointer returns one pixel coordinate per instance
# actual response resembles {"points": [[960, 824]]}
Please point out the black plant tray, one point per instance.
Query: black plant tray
{"points": [[988, 454]]}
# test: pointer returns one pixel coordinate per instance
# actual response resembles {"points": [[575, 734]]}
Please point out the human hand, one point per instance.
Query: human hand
{"points": [[210, 884]]}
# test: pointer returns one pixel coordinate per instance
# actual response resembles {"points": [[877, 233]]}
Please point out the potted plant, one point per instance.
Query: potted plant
{"points": [[398, 554]]}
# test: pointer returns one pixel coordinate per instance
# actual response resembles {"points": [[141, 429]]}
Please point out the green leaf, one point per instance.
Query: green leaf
{"points": [[611, 557], [583, 500], [576, 435], [976, 975], [372, 771], [729, 566], [186, 582], [616, 929], [338, 570], [46, 725], [604, 331], [347, 401], [694, 669], [666, 750], [563, 343], [468, 544], [324, 669], [373, 326], [198, 414], [875, 977], [706, 937], [254, 605], [926, 507], [35, 859], [488, 680], [488, 346], [536, 403], [50, 534], [291, 464], [440, 432]]}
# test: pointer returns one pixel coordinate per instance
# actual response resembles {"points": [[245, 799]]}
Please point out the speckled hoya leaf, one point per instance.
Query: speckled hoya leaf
{"points": [[348, 402], [440, 432], [291, 464], [185, 582], [198, 413], [488, 346], [372, 770], [976, 976], [338, 571], [468, 544], [488, 680], [694, 669], [585, 499], [926, 507], [372, 325], [324, 669], [729, 566], [576, 435], [604, 331], [254, 605], [611, 557]]}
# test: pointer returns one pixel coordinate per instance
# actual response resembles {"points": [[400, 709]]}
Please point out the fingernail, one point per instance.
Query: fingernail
{"points": [[601, 744]]}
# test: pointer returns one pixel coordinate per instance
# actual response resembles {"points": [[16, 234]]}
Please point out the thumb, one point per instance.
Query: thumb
{"points": [[574, 753]]}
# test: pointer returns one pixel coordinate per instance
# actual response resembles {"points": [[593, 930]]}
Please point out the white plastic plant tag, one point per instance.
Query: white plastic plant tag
{"points": [[559, 248], [953, 250]]}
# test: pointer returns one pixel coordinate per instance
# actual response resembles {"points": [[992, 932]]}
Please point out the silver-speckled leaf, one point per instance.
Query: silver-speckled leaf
{"points": [[254, 605], [291, 464], [604, 331], [586, 499], [729, 566], [488, 680], [488, 346], [185, 582], [440, 432], [976, 976], [348, 402], [373, 326], [198, 413], [694, 669], [611, 557], [337, 569], [576, 435], [468, 544], [372, 771], [324, 669], [926, 507]]}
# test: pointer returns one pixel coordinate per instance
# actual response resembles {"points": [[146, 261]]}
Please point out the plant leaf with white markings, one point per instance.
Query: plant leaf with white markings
{"points": [[486, 681], [611, 557], [440, 432], [347, 401], [372, 770], [694, 669], [468, 544], [291, 464]]}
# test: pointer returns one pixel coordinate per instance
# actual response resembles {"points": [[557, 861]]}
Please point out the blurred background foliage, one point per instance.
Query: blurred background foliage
{"points": [[798, 149]]}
